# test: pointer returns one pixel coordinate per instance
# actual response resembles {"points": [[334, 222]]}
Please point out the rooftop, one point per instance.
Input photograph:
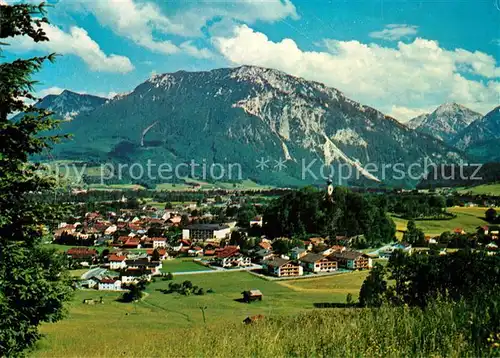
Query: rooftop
{"points": [[276, 262], [253, 293], [310, 258], [207, 227], [349, 255]]}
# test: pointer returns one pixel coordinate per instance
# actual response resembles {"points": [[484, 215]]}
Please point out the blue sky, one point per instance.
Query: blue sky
{"points": [[402, 57]]}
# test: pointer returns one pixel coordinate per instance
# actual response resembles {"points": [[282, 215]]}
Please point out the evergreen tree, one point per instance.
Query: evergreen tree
{"points": [[414, 235], [184, 220], [155, 256], [135, 293], [491, 215], [374, 288], [33, 281]]}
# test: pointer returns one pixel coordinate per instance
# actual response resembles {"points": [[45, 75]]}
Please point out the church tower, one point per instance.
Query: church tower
{"points": [[329, 189]]}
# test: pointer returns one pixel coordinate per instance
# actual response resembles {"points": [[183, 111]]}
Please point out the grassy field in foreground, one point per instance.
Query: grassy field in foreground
{"points": [[467, 218], [166, 326], [182, 265], [135, 327]]}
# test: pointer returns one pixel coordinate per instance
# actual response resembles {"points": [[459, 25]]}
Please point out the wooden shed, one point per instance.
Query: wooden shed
{"points": [[252, 295]]}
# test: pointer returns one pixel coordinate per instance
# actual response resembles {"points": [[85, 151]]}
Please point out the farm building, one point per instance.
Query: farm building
{"points": [[252, 295]]}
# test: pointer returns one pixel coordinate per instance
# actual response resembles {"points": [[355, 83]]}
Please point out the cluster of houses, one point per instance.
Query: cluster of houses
{"points": [[302, 261], [297, 262], [121, 268], [487, 235], [129, 228], [137, 247], [494, 234]]}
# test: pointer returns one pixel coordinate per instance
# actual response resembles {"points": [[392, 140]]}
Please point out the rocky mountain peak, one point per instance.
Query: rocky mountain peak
{"points": [[445, 122], [68, 104]]}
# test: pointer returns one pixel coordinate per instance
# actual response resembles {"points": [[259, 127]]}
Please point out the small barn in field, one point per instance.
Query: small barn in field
{"points": [[252, 295]]}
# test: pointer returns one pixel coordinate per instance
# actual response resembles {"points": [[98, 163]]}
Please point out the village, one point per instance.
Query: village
{"points": [[123, 248], [129, 259]]}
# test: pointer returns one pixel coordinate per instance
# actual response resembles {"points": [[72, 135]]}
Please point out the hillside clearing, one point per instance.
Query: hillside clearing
{"points": [[159, 315], [467, 218]]}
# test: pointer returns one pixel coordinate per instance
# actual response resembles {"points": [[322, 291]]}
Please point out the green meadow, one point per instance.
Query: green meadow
{"points": [[182, 265], [486, 189], [171, 325], [467, 218], [116, 329], [187, 185], [340, 285], [64, 248]]}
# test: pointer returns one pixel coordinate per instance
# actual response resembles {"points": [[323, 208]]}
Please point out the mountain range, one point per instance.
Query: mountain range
{"points": [[445, 122], [464, 129], [68, 105], [481, 138], [250, 115]]}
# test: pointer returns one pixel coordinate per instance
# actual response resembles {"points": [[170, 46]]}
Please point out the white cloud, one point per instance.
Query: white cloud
{"points": [[135, 21], [192, 50], [395, 32], [404, 114], [146, 25], [77, 42], [420, 74], [478, 63], [248, 11], [51, 90]]}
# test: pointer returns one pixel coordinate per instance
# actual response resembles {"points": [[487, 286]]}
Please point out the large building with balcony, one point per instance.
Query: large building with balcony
{"points": [[318, 263], [206, 232], [282, 268], [352, 260]]}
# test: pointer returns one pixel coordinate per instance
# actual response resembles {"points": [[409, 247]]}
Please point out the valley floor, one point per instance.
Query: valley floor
{"points": [[166, 324], [114, 328], [173, 326]]}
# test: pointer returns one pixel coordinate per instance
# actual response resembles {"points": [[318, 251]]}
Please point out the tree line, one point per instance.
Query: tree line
{"points": [[469, 279], [310, 211]]}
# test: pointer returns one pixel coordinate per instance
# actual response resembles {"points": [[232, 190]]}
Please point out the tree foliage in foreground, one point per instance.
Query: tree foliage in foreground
{"points": [[420, 278], [33, 282], [374, 288], [467, 278]]}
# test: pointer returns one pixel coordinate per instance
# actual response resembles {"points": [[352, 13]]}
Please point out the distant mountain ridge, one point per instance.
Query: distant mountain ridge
{"points": [[416, 122], [67, 105], [446, 122], [487, 128], [242, 115], [480, 139]]}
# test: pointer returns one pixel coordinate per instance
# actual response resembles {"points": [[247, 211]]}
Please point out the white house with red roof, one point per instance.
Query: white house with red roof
{"points": [[159, 242], [161, 251], [116, 262], [132, 243], [195, 251], [230, 256], [109, 284]]}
